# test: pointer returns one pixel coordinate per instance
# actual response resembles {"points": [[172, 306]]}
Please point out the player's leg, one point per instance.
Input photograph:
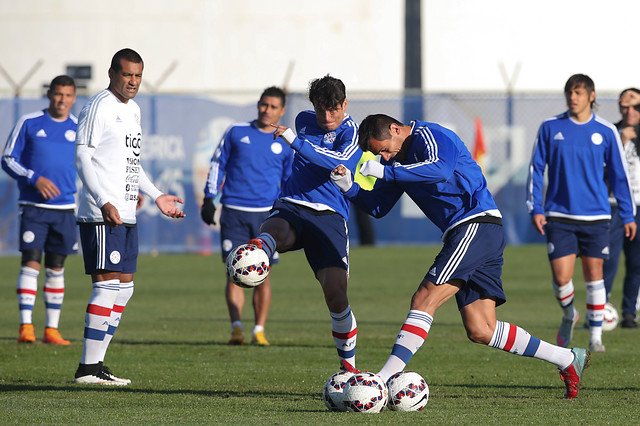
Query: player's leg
{"points": [[61, 241], [102, 246], [594, 249], [26, 290], [616, 243], [279, 231], [631, 285], [261, 304], [482, 327], [596, 299], [235, 302], [562, 248], [424, 303], [53, 297]]}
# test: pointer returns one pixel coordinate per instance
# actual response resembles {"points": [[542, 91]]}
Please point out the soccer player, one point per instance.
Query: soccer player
{"points": [[108, 155], [629, 130], [573, 147], [248, 167], [39, 155], [311, 212], [434, 168]]}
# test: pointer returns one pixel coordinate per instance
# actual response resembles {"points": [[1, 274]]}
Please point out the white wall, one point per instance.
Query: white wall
{"points": [[218, 44]]}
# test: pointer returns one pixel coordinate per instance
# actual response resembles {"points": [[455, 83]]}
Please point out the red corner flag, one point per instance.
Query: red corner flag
{"points": [[479, 149]]}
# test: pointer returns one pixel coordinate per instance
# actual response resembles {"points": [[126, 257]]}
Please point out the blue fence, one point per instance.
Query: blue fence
{"points": [[181, 132]]}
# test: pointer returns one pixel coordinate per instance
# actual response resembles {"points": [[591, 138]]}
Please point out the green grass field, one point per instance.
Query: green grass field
{"points": [[172, 344]]}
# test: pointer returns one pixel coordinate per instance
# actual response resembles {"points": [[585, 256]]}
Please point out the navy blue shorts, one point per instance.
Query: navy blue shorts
{"points": [[323, 235], [109, 248], [237, 227], [48, 230], [583, 239], [472, 253]]}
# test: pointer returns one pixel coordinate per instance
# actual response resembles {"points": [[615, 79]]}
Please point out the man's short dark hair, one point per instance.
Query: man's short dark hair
{"points": [[327, 92], [376, 126], [62, 80], [579, 80], [127, 54], [275, 92]]}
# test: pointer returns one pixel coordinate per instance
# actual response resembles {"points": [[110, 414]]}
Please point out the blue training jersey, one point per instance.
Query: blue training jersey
{"points": [[317, 153], [249, 167], [438, 174], [42, 146], [575, 155]]}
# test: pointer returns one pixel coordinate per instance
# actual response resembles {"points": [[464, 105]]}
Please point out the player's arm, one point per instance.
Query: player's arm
{"points": [[535, 179], [89, 178], [347, 153], [215, 178], [620, 186]]}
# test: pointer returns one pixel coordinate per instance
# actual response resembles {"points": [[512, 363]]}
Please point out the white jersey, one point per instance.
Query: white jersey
{"points": [[109, 133]]}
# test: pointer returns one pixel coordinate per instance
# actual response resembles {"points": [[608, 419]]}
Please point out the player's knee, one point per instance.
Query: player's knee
{"points": [[31, 255], [480, 335], [54, 260]]}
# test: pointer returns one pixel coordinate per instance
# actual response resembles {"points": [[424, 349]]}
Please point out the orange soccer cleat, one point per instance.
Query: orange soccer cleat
{"points": [[53, 337], [26, 334]]}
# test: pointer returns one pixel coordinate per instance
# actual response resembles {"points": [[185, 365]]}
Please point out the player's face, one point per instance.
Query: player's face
{"points": [[579, 101], [270, 111], [331, 119], [124, 84], [630, 113], [61, 99], [388, 149]]}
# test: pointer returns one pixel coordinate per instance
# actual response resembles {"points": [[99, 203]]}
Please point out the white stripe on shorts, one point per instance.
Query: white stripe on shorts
{"points": [[101, 247], [453, 262]]}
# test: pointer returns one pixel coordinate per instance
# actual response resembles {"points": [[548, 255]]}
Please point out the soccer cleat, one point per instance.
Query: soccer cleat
{"points": [[26, 334], [105, 370], [259, 339], [346, 366], [237, 336], [53, 337], [255, 242], [573, 373], [629, 321], [596, 346], [565, 333], [94, 374]]}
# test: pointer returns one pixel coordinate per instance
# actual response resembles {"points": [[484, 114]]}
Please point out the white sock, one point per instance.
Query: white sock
{"points": [[124, 294], [96, 320], [26, 289], [53, 296]]}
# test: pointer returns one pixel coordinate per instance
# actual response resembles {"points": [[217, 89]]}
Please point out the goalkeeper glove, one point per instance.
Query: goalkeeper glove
{"points": [[344, 181], [208, 211], [372, 168]]}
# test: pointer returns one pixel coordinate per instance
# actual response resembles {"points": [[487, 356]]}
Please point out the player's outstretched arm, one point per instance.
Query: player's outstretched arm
{"points": [[167, 204]]}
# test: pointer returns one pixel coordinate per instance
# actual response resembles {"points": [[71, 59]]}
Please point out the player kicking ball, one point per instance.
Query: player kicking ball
{"points": [[434, 168]]}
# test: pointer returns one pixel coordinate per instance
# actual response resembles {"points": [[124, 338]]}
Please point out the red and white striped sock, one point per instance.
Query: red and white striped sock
{"points": [[596, 299], [53, 296], [565, 295], [124, 294], [345, 333], [96, 320], [26, 290]]}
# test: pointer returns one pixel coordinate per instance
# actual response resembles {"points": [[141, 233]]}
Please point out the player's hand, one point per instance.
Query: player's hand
{"points": [[628, 134], [167, 205], [341, 176], [630, 230], [539, 221], [284, 132], [208, 211], [111, 215], [47, 188], [140, 201], [372, 168]]}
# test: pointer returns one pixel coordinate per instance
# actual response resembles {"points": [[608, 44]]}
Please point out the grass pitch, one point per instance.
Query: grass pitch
{"points": [[172, 344]]}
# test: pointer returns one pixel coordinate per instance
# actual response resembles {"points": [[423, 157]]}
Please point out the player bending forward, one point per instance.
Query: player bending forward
{"points": [[432, 165]]}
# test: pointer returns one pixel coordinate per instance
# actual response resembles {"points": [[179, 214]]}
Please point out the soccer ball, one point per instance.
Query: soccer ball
{"points": [[332, 393], [610, 321], [365, 393], [248, 265], [408, 391]]}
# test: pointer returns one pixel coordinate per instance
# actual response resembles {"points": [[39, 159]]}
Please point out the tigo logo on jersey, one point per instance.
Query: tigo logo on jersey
{"points": [[134, 142]]}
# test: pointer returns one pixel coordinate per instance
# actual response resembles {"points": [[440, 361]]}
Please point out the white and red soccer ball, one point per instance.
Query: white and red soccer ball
{"points": [[333, 392], [408, 391], [248, 265], [365, 393], [611, 317]]}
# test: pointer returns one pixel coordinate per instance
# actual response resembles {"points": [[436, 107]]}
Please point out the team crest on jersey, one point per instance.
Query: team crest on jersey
{"points": [[28, 237], [70, 135], [329, 138], [114, 257], [596, 138], [276, 148]]}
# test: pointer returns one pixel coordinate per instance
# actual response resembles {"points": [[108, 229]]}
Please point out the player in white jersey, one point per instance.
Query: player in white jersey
{"points": [[574, 213], [39, 155], [108, 156]]}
